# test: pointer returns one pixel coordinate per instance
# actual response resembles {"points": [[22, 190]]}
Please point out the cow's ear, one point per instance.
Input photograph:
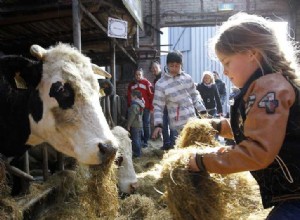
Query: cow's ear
{"points": [[38, 52], [29, 70]]}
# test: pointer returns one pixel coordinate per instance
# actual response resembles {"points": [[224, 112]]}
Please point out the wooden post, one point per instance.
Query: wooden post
{"points": [[113, 63], [76, 24]]}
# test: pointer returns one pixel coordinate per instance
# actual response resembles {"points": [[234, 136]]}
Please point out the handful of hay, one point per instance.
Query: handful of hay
{"points": [[200, 195], [101, 196]]}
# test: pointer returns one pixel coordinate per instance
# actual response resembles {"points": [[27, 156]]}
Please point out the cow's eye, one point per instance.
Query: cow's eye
{"points": [[63, 93]]}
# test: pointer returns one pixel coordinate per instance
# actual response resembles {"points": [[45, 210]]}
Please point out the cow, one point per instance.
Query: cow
{"points": [[127, 179], [60, 105], [126, 176]]}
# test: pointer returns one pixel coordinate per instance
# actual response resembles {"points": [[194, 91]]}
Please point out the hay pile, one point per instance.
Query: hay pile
{"points": [[142, 207], [201, 195]]}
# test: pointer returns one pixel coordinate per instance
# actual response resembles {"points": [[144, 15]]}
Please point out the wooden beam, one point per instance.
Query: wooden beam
{"points": [[95, 20]]}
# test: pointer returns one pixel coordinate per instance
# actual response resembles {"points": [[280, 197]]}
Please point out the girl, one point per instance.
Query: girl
{"points": [[265, 116], [210, 95]]}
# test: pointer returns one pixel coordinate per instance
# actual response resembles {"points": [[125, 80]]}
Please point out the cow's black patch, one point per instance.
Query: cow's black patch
{"points": [[35, 106], [30, 70], [63, 93]]}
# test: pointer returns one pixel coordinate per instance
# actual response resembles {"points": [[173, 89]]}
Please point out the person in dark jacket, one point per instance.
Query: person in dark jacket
{"points": [[210, 95], [221, 86]]}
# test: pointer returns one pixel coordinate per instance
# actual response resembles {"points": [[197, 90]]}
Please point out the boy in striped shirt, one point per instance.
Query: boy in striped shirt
{"points": [[177, 91]]}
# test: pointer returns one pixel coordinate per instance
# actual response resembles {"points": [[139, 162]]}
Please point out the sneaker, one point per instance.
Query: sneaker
{"points": [[145, 145]]}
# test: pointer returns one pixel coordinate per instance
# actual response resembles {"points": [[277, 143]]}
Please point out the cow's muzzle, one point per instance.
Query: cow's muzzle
{"points": [[107, 152]]}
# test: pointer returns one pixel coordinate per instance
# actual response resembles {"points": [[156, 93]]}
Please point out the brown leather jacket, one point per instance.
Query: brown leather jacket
{"points": [[264, 131]]}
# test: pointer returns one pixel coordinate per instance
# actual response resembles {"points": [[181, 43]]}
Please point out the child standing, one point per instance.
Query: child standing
{"points": [[177, 91], [265, 116], [135, 121]]}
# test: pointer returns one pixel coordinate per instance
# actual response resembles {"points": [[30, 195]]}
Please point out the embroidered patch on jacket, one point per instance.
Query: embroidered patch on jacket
{"points": [[250, 102], [269, 102]]}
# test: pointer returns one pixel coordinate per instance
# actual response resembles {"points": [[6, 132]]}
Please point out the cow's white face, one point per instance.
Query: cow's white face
{"points": [[72, 119], [127, 180]]}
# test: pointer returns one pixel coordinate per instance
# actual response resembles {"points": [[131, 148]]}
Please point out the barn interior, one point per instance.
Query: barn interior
{"points": [[46, 22]]}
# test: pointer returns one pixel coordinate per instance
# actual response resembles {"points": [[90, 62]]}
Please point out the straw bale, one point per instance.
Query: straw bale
{"points": [[196, 131]]}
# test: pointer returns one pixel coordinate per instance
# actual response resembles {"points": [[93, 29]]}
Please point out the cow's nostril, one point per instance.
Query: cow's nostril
{"points": [[107, 150]]}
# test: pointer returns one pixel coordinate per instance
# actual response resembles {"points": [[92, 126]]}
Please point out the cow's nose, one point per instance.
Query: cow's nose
{"points": [[133, 187], [107, 151]]}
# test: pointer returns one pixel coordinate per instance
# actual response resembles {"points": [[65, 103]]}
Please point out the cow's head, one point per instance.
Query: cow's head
{"points": [[127, 179], [65, 109]]}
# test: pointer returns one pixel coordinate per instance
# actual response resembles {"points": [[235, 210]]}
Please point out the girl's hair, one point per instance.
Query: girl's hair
{"points": [[243, 32], [140, 70], [210, 74], [155, 63]]}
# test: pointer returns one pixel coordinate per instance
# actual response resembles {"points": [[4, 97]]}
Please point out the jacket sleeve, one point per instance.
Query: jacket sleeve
{"points": [[217, 99], [158, 104], [197, 100], [132, 115], [264, 130]]}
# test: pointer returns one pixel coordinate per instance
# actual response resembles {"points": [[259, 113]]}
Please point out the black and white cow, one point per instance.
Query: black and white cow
{"points": [[60, 105]]}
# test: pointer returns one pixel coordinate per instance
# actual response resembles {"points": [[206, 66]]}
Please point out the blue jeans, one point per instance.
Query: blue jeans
{"points": [[289, 210], [168, 138], [146, 126], [136, 135]]}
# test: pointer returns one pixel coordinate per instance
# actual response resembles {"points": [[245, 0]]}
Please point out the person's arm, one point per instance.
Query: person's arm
{"points": [[218, 101], [195, 95], [159, 105], [132, 115]]}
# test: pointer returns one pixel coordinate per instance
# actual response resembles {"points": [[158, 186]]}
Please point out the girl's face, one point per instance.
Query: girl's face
{"points": [[240, 66], [174, 68], [155, 69], [207, 79]]}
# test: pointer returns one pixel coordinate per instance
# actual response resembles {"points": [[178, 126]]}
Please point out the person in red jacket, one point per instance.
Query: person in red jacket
{"points": [[145, 87]]}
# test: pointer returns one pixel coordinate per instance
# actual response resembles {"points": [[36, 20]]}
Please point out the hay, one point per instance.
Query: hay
{"points": [[142, 207], [196, 131], [3, 182], [101, 197], [200, 195]]}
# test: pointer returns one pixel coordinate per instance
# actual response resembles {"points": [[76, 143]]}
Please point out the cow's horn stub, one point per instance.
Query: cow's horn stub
{"points": [[37, 51], [101, 72]]}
